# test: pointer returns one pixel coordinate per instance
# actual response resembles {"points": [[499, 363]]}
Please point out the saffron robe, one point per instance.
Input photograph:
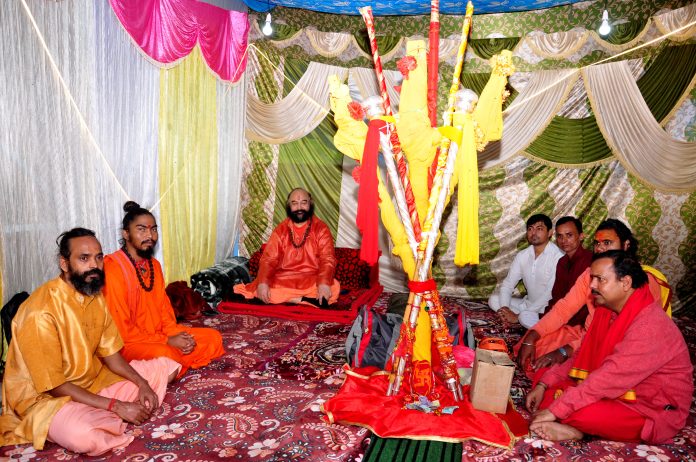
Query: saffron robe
{"points": [[146, 320], [293, 271], [58, 336]]}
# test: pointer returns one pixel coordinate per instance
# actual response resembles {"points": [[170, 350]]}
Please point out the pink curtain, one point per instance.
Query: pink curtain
{"points": [[167, 30]]}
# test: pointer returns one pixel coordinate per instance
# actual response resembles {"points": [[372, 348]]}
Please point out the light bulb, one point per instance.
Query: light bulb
{"points": [[267, 28], [604, 28]]}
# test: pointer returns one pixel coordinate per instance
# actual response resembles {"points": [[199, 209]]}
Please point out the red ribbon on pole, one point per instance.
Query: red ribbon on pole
{"points": [[367, 218]]}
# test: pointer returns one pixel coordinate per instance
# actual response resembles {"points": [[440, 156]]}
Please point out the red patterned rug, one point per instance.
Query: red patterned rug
{"points": [[261, 401]]}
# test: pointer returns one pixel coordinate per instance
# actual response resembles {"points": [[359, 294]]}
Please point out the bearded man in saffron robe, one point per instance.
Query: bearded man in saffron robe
{"points": [[140, 306], [65, 380], [298, 262]]}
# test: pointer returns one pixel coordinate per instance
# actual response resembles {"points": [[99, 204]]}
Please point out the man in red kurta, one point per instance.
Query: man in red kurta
{"points": [[631, 378], [298, 261], [140, 306]]}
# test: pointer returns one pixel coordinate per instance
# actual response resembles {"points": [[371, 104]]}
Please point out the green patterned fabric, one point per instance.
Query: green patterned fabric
{"points": [[686, 288], [487, 48], [477, 82], [312, 163], [570, 141], [280, 31], [624, 33], [259, 189], [266, 87], [538, 179], [642, 218], [440, 249], [590, 209], [385, 43], [667, 77], [405, 450], [561, 18]]}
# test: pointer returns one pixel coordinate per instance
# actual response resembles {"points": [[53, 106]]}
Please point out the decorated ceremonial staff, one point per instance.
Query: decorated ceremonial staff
{"points": [[424, 285]]}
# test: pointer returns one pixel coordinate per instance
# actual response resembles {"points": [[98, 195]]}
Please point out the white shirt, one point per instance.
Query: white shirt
{"points": [[538, 275]]}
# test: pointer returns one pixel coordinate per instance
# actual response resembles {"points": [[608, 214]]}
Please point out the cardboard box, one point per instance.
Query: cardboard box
{"points": [[491, 381]]}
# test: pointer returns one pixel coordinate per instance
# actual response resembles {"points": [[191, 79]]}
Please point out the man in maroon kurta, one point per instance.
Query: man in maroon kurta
{"points": [[633, 368], [569, 238], [298, 261]]}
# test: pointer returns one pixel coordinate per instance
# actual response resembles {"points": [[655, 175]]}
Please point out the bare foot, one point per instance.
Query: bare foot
{"points": [[555, 431]]}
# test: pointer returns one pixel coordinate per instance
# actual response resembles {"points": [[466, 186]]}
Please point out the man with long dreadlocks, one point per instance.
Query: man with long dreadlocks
{"points": [[140, 306]]}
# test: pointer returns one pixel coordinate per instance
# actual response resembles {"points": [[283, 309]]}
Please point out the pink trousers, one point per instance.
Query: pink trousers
{"points": [[88, 430]]}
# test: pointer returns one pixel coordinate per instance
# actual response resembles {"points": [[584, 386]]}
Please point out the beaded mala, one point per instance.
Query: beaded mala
{"points": [[304, 238], [138, 270]]}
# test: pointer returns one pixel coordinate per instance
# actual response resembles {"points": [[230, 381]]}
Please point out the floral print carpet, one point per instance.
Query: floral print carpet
{"points": [[261, 402]]}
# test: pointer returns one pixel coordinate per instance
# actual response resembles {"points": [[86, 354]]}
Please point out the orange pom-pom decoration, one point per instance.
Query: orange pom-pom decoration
{"points": [[356, 110], [406, 65]]}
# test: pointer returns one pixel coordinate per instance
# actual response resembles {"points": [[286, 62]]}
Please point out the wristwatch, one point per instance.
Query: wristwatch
{"points": [[563, 352]]}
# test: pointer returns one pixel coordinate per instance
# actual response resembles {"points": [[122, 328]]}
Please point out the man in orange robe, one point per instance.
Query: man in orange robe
{"points": [[140, 306], [298, 261]]}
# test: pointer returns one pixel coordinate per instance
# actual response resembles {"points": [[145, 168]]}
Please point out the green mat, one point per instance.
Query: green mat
{"points": [[403, 450]]}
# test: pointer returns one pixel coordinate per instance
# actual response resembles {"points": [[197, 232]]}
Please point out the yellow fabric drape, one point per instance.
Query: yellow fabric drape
{"points": [[188, 160]]}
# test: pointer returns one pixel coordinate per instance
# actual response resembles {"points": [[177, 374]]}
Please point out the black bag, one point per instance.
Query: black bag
{"points": [[215, 283], [7, 314], [373, 335]]}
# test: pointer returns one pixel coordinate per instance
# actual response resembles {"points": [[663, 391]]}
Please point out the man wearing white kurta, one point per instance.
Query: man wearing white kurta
{"points": [[536, 267]]}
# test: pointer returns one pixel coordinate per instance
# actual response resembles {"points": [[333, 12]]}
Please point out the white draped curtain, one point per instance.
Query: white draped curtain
{"points": [[71, 156], [80, 139], [632, 132], [529, 114], [298, 113]]}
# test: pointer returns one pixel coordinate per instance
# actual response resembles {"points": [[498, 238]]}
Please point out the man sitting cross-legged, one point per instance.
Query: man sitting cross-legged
{"points": [[65, 380], [633, 368], [536, 267], [140, 306], [550, 341], [298, 261]]}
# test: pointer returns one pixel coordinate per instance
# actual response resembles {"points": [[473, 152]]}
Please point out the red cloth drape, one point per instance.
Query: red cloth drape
{"points": [[362, 401], [367, 218]]}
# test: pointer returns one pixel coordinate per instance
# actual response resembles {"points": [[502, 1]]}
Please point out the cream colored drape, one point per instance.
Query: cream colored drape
{"points": [[557, 45], [298, 113], [329, 44], [529, 114], [633, 134], [678, 19], [365, 83]]}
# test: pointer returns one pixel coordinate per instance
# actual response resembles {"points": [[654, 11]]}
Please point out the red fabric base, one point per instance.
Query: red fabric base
{"points": [[345, 312], [362, 401]]}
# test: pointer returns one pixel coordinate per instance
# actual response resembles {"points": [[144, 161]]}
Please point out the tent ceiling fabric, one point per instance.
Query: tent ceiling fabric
{"points": [[407, 7]]}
